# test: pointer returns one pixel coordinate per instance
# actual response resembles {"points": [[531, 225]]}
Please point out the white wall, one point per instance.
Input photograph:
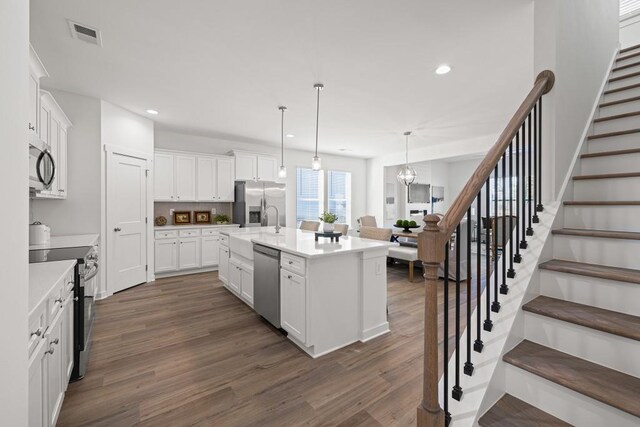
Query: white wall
{"points": [[292, 160], [577, 41], [630, 32], [459, 173], [14, 167]]}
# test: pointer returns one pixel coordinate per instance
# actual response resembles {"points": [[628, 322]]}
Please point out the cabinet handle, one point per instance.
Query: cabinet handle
{"points": [[50, 351], [289, 277], [290, 262], [37, 333], [172, 197], [117, 229], [58, 300], [56, 341]]}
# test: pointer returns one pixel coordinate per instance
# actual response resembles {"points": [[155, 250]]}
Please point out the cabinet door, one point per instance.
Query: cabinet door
{"points": [[206, 182], [45, 114], [55, 374], [38, 386], [293, 309], [247, 285], [209, 250], [185, 178], [246, 167], [223, 264], [166, 255], [66, 343], [54, 141], [62, 163], [189, 253], [34, 103], [163, 187], [225, 190], [235, 277], [267, 168]]}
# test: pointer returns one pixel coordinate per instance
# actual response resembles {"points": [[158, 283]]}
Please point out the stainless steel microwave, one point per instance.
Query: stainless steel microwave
{"points": [[42, 166]]}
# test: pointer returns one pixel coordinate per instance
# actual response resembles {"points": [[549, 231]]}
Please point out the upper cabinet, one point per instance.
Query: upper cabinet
{"points": [[36, 72], [189, 177], [255, 167]]}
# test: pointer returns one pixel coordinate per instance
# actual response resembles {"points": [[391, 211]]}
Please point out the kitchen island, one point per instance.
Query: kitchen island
{"points": [[331, 294]]}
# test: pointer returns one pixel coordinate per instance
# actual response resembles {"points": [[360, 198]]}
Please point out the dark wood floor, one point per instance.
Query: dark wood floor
{"points": [[184, 351]]}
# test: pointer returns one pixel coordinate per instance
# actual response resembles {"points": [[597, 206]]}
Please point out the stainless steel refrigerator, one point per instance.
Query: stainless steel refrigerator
{"points": [[252, 199]]}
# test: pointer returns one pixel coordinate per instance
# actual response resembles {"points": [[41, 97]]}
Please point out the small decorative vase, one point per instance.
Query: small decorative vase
{"points": [[327, 227]]}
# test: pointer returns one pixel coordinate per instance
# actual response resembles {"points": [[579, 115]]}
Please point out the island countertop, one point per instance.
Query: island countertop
{"points": [[42, 277], [302, 243]]}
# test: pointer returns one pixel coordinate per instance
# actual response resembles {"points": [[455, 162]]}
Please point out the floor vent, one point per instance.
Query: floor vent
{"points": [[84, 33]]}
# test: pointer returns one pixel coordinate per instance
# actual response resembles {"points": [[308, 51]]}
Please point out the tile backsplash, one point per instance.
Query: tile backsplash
{"points": [[164, 209]]}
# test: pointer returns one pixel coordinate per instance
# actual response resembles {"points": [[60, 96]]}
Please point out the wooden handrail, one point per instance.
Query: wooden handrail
{"points": [[431, 249]]}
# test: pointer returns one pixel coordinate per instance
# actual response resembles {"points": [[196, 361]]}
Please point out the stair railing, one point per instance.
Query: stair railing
{"points": [[519, 150]]}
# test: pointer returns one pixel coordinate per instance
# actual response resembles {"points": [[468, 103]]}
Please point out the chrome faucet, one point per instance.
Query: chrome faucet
{"points": [[277, 216]]}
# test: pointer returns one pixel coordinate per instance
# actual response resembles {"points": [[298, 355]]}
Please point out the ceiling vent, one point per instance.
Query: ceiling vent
{"points": [[85, 33]]}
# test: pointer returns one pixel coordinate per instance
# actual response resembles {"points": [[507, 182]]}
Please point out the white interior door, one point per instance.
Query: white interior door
{"points": [[126, 221]]}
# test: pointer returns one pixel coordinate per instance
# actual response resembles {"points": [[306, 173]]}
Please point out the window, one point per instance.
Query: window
{"points": [[339, 195], [503, 195], [629, 7], [309, 195]]}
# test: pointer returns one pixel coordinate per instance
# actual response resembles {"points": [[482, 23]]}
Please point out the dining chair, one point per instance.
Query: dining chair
{"points": [[309, 225], [341, 228], [375, 233], [367, 221], [498, 231]]}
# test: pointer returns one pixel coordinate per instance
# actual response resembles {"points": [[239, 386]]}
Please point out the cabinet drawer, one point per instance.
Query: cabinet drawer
{"points": [[55, 300], [224, 240], [169, 234], [37, 327], [210, 232], [293, 263], [189, 233]]}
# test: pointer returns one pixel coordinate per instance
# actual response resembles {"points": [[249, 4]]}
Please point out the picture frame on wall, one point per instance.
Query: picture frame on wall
{"points": [[203, 217], [181, 217]]}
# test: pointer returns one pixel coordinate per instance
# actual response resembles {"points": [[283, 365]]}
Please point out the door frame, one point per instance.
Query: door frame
{"points": [[109, 151]]}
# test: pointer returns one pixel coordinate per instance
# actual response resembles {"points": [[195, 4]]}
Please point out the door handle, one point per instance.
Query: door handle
{"points": [[117, 229]]}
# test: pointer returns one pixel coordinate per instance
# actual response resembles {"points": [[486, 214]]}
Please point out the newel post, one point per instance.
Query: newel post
{"points": [[431, 251]]}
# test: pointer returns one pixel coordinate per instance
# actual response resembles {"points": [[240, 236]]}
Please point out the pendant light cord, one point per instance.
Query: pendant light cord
{"points": [[406, 148], [282, 138], [318, 89]]}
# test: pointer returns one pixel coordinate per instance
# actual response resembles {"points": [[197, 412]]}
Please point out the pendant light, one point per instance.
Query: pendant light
{"points": [[407, 174], [282, 172], [316, 163]]}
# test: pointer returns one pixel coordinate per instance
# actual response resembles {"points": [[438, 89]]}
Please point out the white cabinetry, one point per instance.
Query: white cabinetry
{"points": [[293, 305], [255, 167], [166, 255], [67, 336], [189, 253], [241, 280], [189, 177], [38, 385], [36, 72], [223, 266], [235, 276], [209, 248], [55, 374]]}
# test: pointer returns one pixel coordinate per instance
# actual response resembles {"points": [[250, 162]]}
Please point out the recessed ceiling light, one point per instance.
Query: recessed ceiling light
{"points": [[344, 149], [290, 135], [443, 69], [154, 112]]}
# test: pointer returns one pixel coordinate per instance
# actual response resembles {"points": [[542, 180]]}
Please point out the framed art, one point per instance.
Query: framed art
{"points": [[181, 217], [203, 217]]}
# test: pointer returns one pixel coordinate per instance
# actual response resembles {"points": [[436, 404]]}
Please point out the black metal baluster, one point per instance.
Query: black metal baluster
{"points": [[540, 207], [495, 305], [468, 366], [523, 242], [529, 156], [535, 218], [456, 393], [488, 324], [517, 257], [503, 287], [478, 345], [511, 273], [445, 379]]}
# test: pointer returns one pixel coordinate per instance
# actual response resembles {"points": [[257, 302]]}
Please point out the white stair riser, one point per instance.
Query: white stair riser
{"points": [[625, 107], [614, 218], [612, 351], [595, 250], [626, 123], [611, 164], [624, 82], [622, 142], [568, 405], [607, 189], [607, 294], [632, 60], [626, 71], [623, 94]]}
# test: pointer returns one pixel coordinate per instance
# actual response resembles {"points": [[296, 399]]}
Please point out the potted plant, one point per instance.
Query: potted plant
{"points": [[221, 219], [328, 219]]}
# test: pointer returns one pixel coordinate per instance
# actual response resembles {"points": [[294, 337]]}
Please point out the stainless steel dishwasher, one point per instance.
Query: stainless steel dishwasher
{"points": [[266, 283]]}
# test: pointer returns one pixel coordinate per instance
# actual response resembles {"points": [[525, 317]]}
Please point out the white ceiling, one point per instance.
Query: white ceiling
{"points": [[221, 68]]}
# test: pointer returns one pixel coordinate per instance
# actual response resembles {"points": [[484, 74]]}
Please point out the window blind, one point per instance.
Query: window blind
{"points": [[309, 194], [629, 6]]}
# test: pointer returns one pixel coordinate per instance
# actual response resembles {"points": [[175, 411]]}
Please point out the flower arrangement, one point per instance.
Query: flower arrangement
{"points": [[222, 219], [328, 217]]}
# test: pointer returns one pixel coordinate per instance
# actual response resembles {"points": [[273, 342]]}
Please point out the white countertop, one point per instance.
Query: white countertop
{"points": [[247, 230], [43, 276], [70, 241], [302, 243], [175, 227]]}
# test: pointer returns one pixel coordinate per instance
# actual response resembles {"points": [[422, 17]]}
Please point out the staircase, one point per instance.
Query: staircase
{"points": [[580, 357]]}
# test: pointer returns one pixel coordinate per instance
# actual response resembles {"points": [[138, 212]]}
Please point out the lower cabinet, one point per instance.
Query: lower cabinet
{"points": [[189, 253], [223, 264], [293, 314], [166, 255], [209, 250], [241, 280], [38, 395], [67, 339], [246, 288], [235, 277], [55, 372]]}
